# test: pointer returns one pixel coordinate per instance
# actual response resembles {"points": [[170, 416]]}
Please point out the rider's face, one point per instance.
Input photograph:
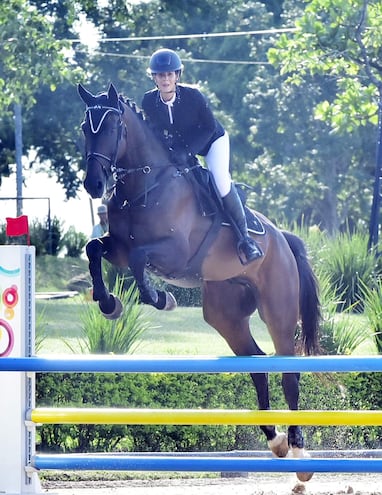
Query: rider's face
{"points": [[166, 81]]}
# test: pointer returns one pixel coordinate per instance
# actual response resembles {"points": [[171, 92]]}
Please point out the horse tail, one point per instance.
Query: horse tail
{"points": [[310, 308]]}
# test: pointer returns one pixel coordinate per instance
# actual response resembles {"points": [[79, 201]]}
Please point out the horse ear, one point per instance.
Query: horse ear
{"points": [[85, 95], [112, 93]]}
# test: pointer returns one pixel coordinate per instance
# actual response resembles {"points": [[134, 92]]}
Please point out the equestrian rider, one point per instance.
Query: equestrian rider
{"points": [[182, 118]]}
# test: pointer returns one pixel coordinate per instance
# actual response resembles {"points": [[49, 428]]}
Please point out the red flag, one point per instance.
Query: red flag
{"points": [[18, 226]]}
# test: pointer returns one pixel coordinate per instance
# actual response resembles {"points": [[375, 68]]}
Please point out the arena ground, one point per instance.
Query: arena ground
{"points": [[253, 484]]}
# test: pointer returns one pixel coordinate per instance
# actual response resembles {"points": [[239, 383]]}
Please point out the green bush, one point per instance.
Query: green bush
{"points": [[120, 336], [373, 310], [338, 335], [188, 391], [46, 238], [348, 264], [74, 242], [364, 393]]}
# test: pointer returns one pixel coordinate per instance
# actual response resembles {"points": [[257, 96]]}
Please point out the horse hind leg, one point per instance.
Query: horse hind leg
{"points": [[227, 307], [290, 383], [277, 441]]}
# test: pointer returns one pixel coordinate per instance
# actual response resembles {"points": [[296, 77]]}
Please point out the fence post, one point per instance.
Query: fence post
{"points": [[17, 339]]}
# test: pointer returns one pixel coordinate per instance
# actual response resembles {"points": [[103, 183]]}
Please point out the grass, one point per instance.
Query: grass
{"points": [[53, 274], [179, 332]]}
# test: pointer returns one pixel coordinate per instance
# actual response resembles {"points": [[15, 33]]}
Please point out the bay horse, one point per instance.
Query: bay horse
{"points": [[155, 225]]}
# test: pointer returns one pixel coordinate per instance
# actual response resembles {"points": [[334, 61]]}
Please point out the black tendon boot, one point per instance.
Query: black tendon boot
{"points": [[235, 211]]}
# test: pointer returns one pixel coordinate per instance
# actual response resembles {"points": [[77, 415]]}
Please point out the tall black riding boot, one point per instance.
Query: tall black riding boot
{"points": [[235, 211]]}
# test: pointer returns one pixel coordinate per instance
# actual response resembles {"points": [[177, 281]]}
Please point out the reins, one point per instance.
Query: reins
{"points": [[118, 173]]}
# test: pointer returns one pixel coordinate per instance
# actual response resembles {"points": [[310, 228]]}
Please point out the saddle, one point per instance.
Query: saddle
{"points": [[211, 204]]}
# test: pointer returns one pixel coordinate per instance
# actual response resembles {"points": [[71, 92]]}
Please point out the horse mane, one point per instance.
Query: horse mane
{"points": [[133, 106], [141, 116]]}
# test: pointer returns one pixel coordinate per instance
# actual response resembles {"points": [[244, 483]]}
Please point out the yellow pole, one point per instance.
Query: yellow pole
{"points": [[203, 417]]}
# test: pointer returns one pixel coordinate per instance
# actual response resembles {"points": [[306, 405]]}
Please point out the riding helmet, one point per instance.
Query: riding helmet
{"points": [[165, 60]]}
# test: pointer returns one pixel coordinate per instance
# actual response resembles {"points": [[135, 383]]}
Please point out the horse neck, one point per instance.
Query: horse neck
{"points": [[142, 146], [143, 157]]}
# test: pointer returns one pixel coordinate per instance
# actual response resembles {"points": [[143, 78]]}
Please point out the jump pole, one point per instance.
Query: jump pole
{"points": [[17, 337], [68, 415]]}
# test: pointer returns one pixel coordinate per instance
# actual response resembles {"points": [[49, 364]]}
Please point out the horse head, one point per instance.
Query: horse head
{"points": [[104, 133]]}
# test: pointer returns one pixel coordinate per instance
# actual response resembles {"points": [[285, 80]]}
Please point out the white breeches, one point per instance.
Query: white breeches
{"points": [[217, 160]]}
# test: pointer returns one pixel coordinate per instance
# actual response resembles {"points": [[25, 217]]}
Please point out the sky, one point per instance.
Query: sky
{"points": [[73, 212]]}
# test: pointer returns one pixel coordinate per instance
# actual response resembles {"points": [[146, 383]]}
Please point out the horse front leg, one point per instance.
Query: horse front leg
{"points": [[110, 306], [163, 300]]}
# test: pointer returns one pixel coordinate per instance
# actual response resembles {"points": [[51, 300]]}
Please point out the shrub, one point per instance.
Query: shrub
{"points": [[74, 242], [338, 334], [364, 393], [46, 238], [120, 336], [373, 311], [349, 265], [225, 390]]}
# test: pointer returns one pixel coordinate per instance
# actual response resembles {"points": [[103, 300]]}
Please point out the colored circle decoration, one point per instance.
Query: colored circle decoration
{"points": [[9, 336], [10, 297], [9, 313]]}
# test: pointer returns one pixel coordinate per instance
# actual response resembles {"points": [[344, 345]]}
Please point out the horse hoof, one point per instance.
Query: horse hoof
{"points": [[117, 311], [171, 303], [301, 454], [279, 445]]}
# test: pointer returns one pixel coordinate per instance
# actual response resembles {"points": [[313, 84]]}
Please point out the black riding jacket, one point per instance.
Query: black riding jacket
{"points": [[194, 127]]}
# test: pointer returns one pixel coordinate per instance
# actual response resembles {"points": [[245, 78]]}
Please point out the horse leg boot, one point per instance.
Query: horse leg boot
{"points": [[235, 211]]}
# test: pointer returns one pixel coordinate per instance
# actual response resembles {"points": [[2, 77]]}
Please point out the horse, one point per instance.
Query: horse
{"points": [[156, 226]]}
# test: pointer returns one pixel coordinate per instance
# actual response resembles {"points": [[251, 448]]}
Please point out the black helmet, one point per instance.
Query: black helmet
{"points": [[165, 60]]}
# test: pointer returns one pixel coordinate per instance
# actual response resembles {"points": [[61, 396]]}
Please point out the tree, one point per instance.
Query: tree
{"points": [[331, 61], [29, 53], [340, 39], [30, 56]]}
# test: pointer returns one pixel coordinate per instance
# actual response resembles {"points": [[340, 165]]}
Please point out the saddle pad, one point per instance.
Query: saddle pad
{"points": [[254, 224]]}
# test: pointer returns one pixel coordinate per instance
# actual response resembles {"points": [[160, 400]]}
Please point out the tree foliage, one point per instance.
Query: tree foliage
{"points": [[29, 53], [282, 97], [31, 56], [340, 39]]}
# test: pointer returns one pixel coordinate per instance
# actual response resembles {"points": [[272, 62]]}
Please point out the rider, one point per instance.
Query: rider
{"points": [[181, 116]]}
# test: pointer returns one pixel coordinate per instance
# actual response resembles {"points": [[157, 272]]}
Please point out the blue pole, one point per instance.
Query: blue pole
{"points": [[200, 364], [143, 462]]}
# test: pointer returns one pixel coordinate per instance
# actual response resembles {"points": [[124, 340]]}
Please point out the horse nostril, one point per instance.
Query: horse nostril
{"points": [[94, 187]]}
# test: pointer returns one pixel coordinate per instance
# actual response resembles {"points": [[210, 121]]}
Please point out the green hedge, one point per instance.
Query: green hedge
{"points": [[228, 391]]}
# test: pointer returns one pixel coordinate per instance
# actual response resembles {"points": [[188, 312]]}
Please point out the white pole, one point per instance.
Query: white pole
{"points": [[17, 339]]}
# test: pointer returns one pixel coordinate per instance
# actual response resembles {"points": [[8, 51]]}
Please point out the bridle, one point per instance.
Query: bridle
{"points": [[95, 128], [118, 174]]}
